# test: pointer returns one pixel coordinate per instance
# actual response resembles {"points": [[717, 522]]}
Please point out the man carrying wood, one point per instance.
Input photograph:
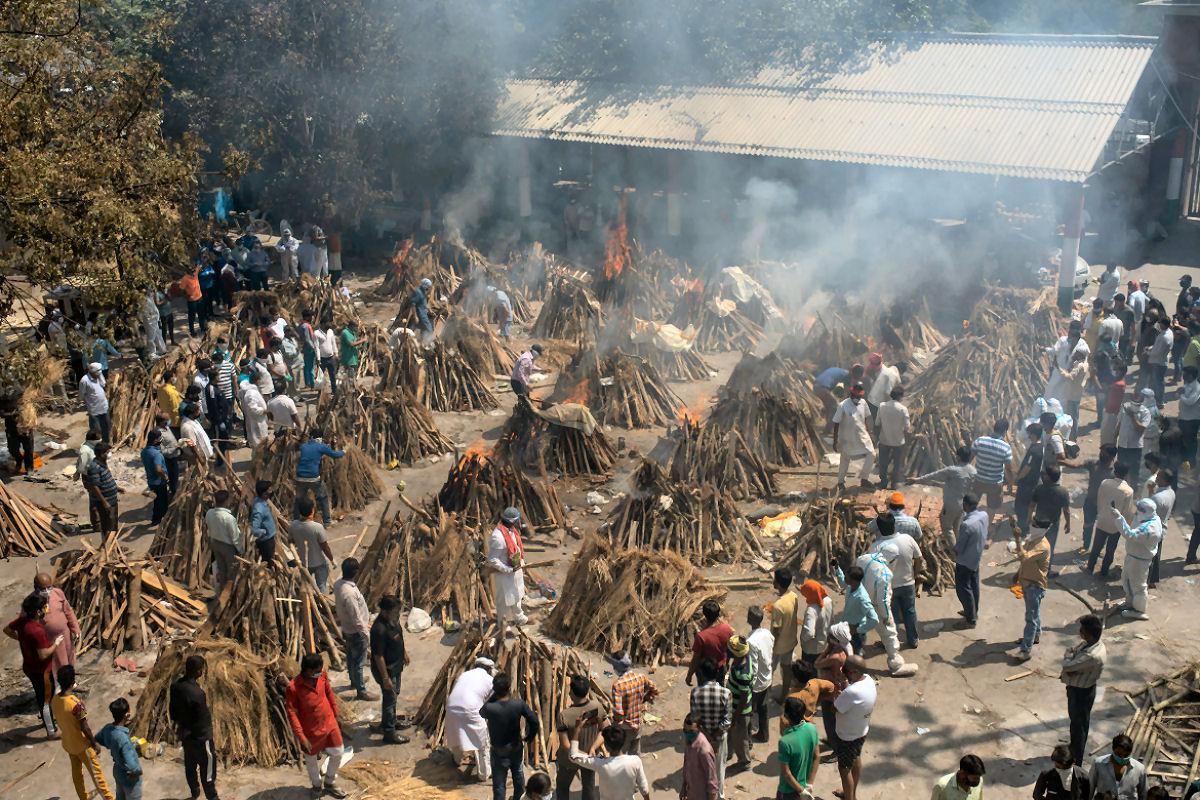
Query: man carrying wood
{"points": [[852, 432], [312, 713], [506, 557], [308, 473]]}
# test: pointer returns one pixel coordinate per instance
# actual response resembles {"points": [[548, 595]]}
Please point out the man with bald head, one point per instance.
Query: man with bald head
{"points": [[60, 618]]}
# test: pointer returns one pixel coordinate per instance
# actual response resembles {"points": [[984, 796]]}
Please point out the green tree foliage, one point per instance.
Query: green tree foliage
{"points": [[326, 99], [89, 190]]}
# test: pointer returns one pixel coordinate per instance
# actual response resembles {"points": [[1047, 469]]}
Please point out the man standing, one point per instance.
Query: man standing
{"points": [[783, 628], [957, 481], [1134, 419], [1141, 545], [1029, 474], [853, 706], [225, 539], [968, 556], [1108, 283], [619, 775], [1051, 502], [762, 645], [355, 621], [581, 721], [506, 558], [71, 716], [91, 391], [1114, 501], [814, 628], [902, 556], [993, 467], [503, 714], [308, 472], [465, 729], [504, 307], [191, 430], [1157, 356], [102, 491], [420, 305], [884, 378], [892, 425], [348, 351], [312, 712], [193, 724], [712, 708], [523, 369], [1082, 665], [1189, 410], [312, 544], [389, 657], [631, 693], [281, 410], [1118, 774], [1062, 352], [1123, 312], [262, 522], [1034, 555], [156, 347], [740, 681], [127, 770], [852, 432], [289, 263], [156, 475], [799, 752], [1099, 471], [1164, 503], [254, 412], [308, 344], [712, 641], [966, 784], [699, 764]]}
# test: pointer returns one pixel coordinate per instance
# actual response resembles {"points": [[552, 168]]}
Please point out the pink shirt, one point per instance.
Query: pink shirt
{"points": [[60, 618], [700, 769]]}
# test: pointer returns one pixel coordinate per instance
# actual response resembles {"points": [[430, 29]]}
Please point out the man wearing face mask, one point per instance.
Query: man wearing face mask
{"points": [[966, 784], [59, 621], [852, 432], [1141, 545], [1063, 353], [312, 712], [1118, 773], [256, 267], [1064, 780]]}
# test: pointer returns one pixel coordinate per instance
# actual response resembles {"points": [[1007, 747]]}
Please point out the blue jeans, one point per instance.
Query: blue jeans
{"points": [[904, 608], [1033, 614], [321, 576], [310, 361], [966, 586], [501, 766], [356, 659], [388, 712]]}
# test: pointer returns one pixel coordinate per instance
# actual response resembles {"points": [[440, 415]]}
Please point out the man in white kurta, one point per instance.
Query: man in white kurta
{"points": [[466, 731], [506, 557], [1063, 351], [254, 409], [854, 436]]}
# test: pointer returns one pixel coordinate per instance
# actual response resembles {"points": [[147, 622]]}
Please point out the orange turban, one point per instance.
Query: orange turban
{"points": [[814, 593]]}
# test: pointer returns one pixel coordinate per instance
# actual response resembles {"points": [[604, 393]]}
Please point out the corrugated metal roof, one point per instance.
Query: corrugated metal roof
{"points": [[1024, 106]]}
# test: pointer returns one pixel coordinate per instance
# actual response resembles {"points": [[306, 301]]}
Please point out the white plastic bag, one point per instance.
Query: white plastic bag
{"points": [[419, 620]]}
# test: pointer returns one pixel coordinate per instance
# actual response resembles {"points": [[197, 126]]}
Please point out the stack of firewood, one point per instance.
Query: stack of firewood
{"points": [[391, 427], [481, 485], [450, 383], [775, 428], [123, 603], [699, 522], [570, 312], [779, 376], [706, 455], [277, 609], [644, 601], [621, 389], [542, 441], [1165, 729], [351, 479], [401, 367], [541, 675], [132, 404], [480, 346], [719, 324], [26, 528]]}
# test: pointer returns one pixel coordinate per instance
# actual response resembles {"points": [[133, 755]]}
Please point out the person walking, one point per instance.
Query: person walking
{"points": [[355, 621], [762, 644], [957, 480], [466, 730], [1082, 665], [311, 543], [965, 784], [711, 705], [225, 540], [892, 425], [993, 468], [1051, 503], [127, 769], [631, 693], [1114, 500], [1065, 780], [968, 557], [58, 620], [91, 392], [799, 752], [711, 641], [619, 775], [902, 556], [1141, 545], [1034, 554], [784, 629], [308, 472], [852, 432], [262, 522], [503, 714], [506, 558], [77, 740], [157, 477], [853, 707], [189, 712], [740, 682], [312, 713], [103, 491], [1118, 773], [389, 657], [699, 764], [581, 721], [37, 653]]}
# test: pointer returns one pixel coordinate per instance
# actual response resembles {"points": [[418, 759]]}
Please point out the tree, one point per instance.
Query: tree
{"points": [[326, 99], [89, 190]]}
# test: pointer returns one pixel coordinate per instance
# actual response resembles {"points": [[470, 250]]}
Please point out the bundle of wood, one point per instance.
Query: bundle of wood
{"points": [[781, 433], [387, 426], [1030, 313], [706, 455], [621, 389], [26, 528], [1165, 729], [132, 404], [644, 601], [276, 610], [779, 376], [451, 384], [544, 442], [123, 604], [350, 480], [247, 697], [719, 324], [570, 312], [401, 367], [430, 560], [481, 485], [541, 675], [701, 523], [480, 346], [375, 356]]}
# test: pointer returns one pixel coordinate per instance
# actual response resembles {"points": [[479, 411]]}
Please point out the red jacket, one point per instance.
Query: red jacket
{"points": [[312, 710]]}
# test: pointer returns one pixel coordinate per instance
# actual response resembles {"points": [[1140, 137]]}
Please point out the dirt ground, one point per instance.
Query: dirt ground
{"points": [[958, 702]]}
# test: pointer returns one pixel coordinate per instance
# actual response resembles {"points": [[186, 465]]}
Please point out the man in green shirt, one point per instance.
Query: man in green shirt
{"points": [[798, 752], [966, 784], [348, 352]]}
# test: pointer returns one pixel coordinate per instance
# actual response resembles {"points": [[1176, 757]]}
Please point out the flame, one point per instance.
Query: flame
{"points": [[966, 324], [692, 416], [616, 251], [579, 394]]}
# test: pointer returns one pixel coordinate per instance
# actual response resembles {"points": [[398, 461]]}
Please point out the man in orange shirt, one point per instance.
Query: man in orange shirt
{"points": [[312, 711], [189, 284]]}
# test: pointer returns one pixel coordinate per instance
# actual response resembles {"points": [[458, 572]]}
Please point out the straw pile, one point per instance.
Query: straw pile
{"points": [[481, 485], [26, 528], [570, 312], [1165, 730], [247, 695], [277, 610], [706, 455], [699, 522], [645, 601], [378, 780], [541, 675], [123, 604]]}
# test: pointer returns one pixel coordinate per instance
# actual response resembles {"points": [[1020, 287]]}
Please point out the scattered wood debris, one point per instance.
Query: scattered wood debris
{"points": [[1166, 728], [26, 528]]}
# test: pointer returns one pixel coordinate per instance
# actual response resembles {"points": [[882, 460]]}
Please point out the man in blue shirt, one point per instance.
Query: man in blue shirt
{"points": [[156, 475], [127, 770], [262, 522], [968, 556], [420, 304], [308, 473]]}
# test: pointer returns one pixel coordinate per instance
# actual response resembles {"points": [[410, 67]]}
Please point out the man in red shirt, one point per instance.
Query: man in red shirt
{"points": [[1113, 398], [312, 711], [37, 651], [711, 641]]}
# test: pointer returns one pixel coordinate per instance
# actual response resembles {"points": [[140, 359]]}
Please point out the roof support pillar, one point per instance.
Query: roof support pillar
{"points": [[674, 197], [1072, 231], [524, 181]]}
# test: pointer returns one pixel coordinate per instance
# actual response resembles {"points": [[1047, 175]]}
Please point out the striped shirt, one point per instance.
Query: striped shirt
{"points": [[99, 476], [226, 372], [904, 524], [991, 455]]}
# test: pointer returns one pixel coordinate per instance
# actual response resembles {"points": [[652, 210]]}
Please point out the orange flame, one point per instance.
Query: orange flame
{"points": [[692, 416], [579, 394], [616, 251]]}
